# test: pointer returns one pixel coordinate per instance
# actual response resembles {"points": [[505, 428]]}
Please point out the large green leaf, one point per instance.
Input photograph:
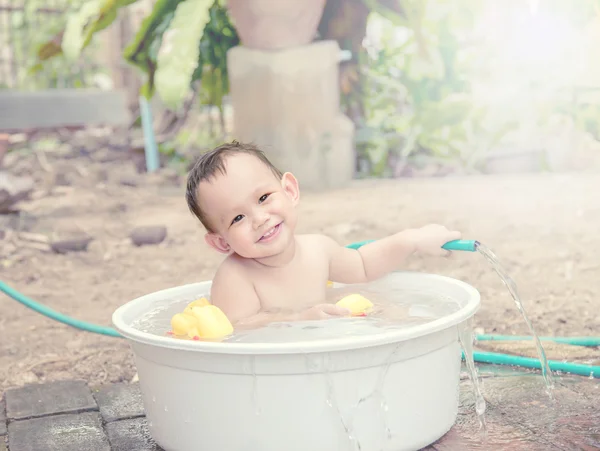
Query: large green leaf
{"points": [[218, 37], [92, 17], [148, 37], [142, 52], [179, 51], [77, 28]]}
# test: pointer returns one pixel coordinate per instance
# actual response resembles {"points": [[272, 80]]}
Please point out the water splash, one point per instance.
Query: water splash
{"points": [[512, 288], [465, 336], [249, 367], [376, 395], [331, 401]]}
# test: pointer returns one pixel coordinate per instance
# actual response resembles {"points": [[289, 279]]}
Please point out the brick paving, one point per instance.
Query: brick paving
{"points": [[71, 416]]}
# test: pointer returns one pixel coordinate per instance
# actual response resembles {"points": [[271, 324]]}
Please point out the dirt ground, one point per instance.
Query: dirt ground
{"points": [[544, 228]]}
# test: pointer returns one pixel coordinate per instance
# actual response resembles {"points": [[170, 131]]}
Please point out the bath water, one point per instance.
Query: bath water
{"points": [[394, 308], [512, 288]]}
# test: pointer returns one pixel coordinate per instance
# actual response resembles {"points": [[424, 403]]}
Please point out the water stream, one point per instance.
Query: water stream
{"points": [[512, 288], [465, 336]]}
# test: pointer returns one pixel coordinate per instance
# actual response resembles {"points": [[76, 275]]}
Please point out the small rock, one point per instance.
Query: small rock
{"points": [[75, 244], [106, 155], [62, 179], [13, 189], [102, 175], [148, 235], [128, 180]]}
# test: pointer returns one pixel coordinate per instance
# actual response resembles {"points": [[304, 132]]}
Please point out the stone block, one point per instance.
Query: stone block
{"points": [[131, 435], [38, 400], [2, 419], [70, 432], [288, 103], [52, 108], [119, 401]]}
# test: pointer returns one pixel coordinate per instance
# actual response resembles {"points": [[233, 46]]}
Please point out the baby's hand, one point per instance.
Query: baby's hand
{"points": [[324, 311], [430, 239]]}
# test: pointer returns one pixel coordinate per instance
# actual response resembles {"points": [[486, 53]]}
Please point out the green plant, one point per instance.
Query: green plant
{"points": [[24, 29], [179, 43]]}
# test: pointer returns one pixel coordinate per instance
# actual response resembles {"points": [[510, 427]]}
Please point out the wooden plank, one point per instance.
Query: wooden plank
{"points": [[62, 108]]}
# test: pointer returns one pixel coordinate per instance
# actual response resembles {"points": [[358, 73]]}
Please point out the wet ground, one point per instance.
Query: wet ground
{"points": [[73, 416]]}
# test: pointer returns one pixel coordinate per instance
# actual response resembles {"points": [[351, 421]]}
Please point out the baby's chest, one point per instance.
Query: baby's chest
{"points": [[293, 288]]}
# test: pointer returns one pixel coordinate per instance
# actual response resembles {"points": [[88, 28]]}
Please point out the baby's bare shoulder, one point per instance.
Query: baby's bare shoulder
{"points": [[317, 242], [316, 238], [233, 267]]}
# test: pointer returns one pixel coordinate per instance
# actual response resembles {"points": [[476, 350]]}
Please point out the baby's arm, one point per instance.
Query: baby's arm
{"points": [[376, 259], [232, 291]]}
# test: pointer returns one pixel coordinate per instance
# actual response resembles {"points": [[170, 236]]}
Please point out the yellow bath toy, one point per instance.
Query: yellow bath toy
{"points": [[202, 302], [212, 322], [329, 284], [357, 304], [184, 324], [201, 319]]}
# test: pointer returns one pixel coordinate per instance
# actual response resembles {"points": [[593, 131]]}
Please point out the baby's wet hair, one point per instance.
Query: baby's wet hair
{"points": [[213, 162]]}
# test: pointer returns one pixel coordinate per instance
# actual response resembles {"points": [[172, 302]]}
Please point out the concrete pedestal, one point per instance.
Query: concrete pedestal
{"points": [[287, 102]]}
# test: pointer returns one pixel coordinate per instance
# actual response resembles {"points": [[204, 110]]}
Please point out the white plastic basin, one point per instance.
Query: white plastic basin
{"points": [[302, 396]]}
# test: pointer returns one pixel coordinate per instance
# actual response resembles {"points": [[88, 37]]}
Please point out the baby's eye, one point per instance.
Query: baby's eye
{"points": [[238, 218], [263, 198]]}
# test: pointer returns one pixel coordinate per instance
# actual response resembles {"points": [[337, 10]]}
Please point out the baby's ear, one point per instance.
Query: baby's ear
{"points": [[290, 186], [217, 242]]}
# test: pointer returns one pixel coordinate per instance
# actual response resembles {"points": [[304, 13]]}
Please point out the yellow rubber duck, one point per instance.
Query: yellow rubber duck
{"points": [[356, 303], [201, 319]]}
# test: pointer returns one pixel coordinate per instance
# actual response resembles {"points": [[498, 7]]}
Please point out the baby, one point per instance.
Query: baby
{"points": [[248, 208]]}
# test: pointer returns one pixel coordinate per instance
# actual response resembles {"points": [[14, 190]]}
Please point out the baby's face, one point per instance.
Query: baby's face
{"points": [[251, 211]]}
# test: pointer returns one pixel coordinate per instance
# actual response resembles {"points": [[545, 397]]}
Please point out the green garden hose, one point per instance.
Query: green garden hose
{"points": [[482, 357], [57, 316]]}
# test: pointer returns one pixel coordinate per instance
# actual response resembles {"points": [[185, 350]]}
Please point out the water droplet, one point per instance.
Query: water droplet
{"points": [[480, 406], [154, 399], [312, 363], [166, 410]]}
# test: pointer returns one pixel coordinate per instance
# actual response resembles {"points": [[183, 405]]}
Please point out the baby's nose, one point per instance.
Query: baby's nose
{"points": [[260, 219]]}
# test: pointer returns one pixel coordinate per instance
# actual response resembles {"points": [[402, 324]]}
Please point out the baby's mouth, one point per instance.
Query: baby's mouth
{"points": [[271, 233]]}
